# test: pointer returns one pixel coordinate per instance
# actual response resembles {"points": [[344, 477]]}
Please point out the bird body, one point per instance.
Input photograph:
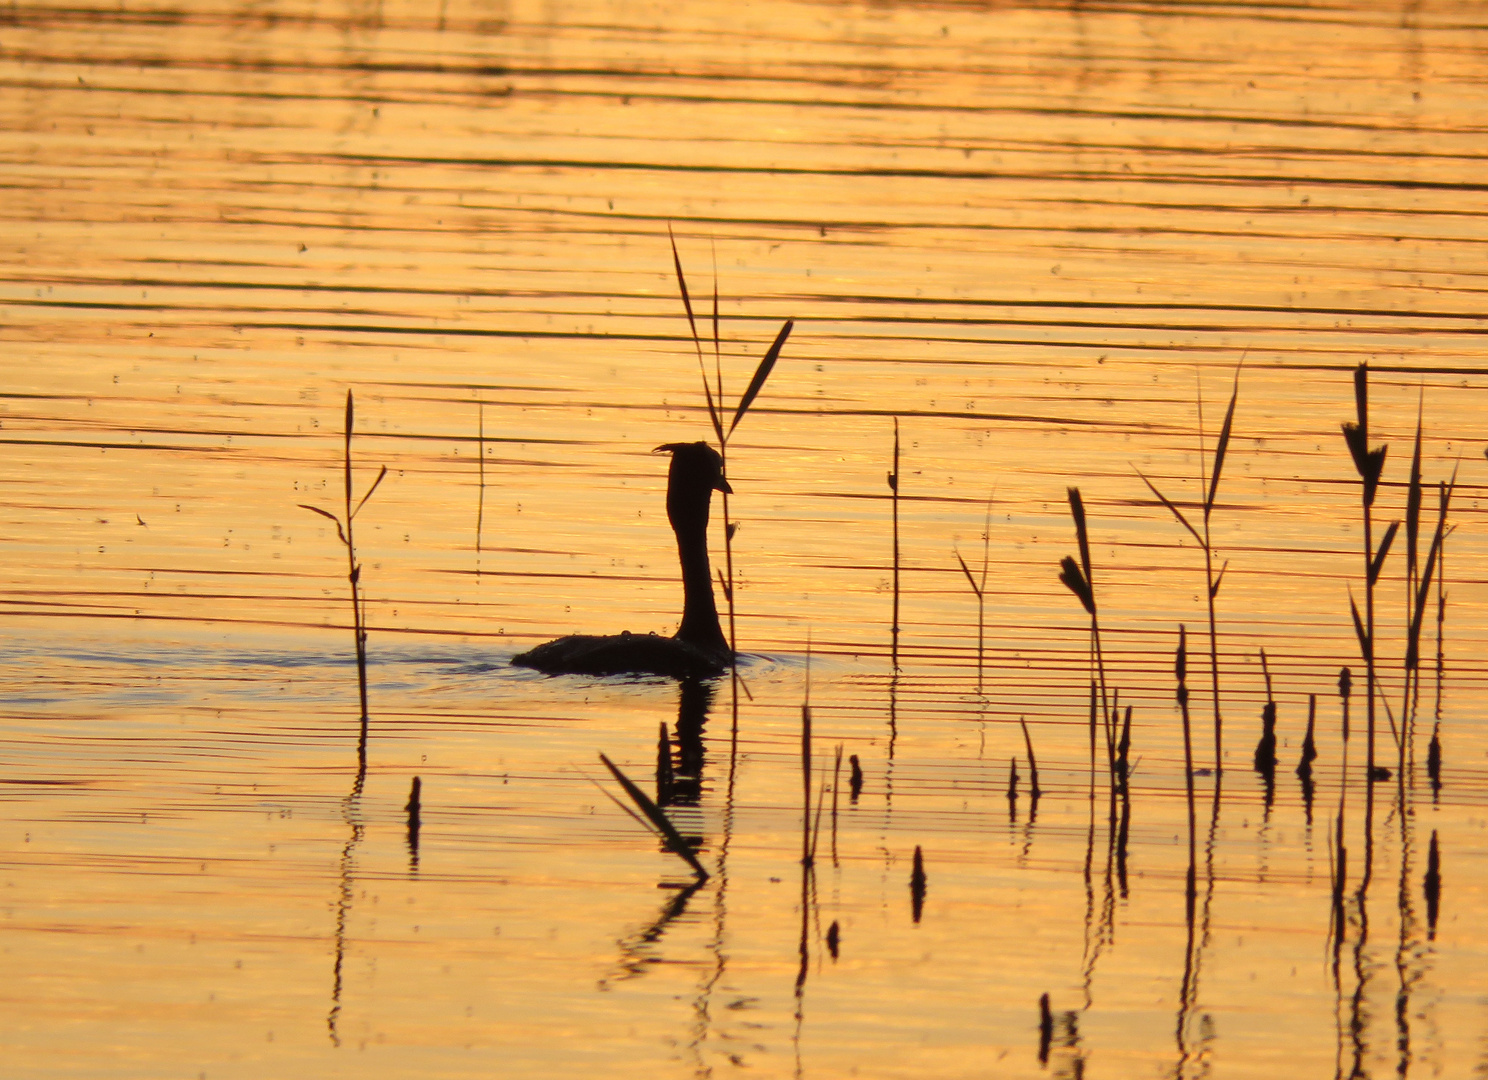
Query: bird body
{"points": [[624, 654], [699, 649]]}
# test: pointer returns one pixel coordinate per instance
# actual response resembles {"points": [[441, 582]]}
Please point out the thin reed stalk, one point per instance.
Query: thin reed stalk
{"points": [[354, 569], [1180, 670], [836, 786], [1410, 690], [1416, 615], [1441, 624], [1265, 751], [894, 499], [1209, 489], [1034, 791], [806, 845], [979, 589], [480, 504]]}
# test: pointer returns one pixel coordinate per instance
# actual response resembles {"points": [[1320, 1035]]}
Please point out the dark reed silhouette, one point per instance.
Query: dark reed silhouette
{"points": [[699, 649], [354, 568], [834, 939], [1012, 790], [1309, 755], [979, 589], [855, 779], [808, 844], [1209, 488], [836, 789], [1309, 743], [1034, 791], [1370, 464], [675, 842], [1265, 751], [893, 479], [1432, 887], [415, 822], [1121, 770], [1418, 595], [1078, 578], [1180, 671], [917, 885], [1046, 1029]]}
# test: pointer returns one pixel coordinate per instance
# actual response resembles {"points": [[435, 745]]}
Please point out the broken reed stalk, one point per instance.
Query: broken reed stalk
{"points": [[715, 415], [980, 588], [1309, 743], [1209, 488], [894, 499], [1078, 579], [1123, 750], [675, 841], [1370, 465], [1265, 751], [1034, 791], [354, 568]]}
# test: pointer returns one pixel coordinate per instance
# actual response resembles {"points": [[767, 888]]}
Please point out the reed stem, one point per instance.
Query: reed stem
{"points": [[894, 498]]}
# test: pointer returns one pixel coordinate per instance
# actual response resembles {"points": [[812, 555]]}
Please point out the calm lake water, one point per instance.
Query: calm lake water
{"points": [[1037, 235]]}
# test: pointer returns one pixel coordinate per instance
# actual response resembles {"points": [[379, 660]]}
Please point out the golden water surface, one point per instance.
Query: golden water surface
{"points": [[1050, 239]]}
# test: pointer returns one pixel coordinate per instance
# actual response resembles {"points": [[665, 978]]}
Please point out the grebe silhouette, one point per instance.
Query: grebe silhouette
{"points": [[699, 648]]}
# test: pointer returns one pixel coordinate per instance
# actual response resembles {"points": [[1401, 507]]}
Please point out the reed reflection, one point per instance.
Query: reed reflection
{"points": [[638, 949], [351, 816], [1309, 755], [414, 810]]}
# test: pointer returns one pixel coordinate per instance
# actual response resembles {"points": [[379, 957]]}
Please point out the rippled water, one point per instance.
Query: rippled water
{"points": [[1036, 235]]}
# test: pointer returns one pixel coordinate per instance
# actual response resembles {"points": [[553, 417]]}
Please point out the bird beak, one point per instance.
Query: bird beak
{"points": [[723, 485]]}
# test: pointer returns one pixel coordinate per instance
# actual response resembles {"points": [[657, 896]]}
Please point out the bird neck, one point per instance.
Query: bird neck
{"points": [[699, 613]]}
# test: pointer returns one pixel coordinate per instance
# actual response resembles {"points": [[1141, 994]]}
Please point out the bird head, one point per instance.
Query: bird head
{"points": [[698, 463]]}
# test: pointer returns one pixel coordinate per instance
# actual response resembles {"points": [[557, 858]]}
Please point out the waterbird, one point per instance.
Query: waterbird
{"points": [[698, 649]]}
